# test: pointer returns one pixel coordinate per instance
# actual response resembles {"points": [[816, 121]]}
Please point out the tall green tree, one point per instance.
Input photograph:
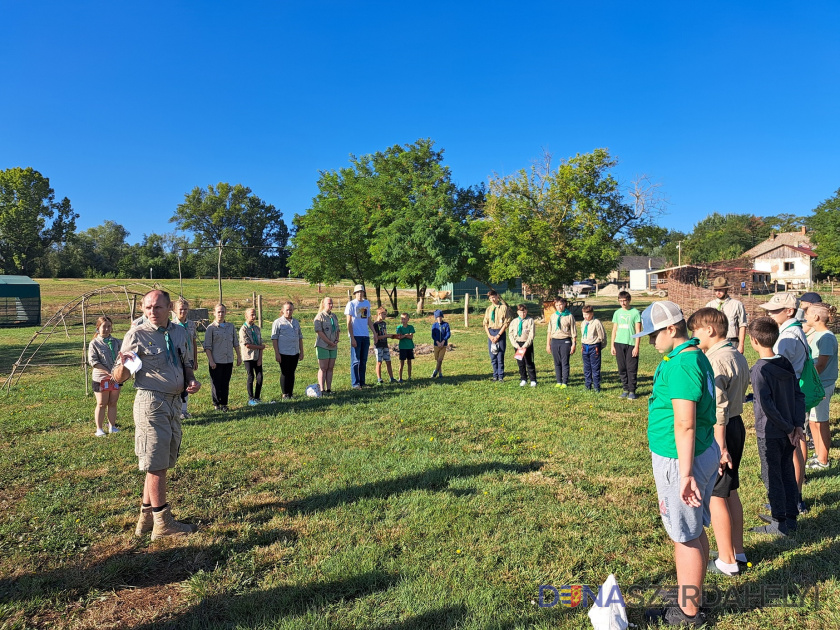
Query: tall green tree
{"points": [[550, 226], [724, 237], [654, 241], [419, 237], [825, 226], [31, 221], [252, 231], [332, 240]]}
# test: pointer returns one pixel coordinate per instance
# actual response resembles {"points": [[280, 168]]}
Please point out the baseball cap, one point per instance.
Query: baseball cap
{"points": [[438, 313], [658, 316], [780, 301], [811, 298]]}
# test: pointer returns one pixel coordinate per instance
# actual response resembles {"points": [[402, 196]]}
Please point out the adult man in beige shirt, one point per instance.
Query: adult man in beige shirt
{"points": [[165, 373], [732, 375], [734, 310], [497, 318]]}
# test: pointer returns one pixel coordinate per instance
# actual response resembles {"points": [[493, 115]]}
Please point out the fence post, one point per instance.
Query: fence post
{"points": [[259, 310], [466, 310], [84, 346], [254, 298]]}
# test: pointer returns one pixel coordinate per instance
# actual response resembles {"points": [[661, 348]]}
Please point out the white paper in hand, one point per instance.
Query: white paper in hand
{"points": [[132, 362], [609, 611]]}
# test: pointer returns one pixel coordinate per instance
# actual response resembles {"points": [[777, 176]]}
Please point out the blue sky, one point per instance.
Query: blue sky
{"points": [[126, 107]]}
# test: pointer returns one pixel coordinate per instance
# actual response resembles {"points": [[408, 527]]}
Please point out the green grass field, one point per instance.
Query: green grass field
{"points": [[422, 505]]}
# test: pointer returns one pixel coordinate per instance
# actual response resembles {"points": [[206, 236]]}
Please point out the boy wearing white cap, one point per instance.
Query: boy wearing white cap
{"points": [[684, 454], [359, 327]]}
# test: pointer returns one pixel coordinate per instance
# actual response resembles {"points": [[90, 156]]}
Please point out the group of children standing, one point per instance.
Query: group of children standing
{"points": [[697, 437], [561, 342]]}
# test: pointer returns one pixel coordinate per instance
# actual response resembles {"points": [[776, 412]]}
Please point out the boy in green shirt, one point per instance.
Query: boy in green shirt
{"points": [[405, 333], [684, 454], [626, 323]]}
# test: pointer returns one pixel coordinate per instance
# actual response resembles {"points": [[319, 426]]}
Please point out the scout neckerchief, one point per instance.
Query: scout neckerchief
{"points": [[585, 327], [109, 341], [560, 314], [721, 303], [519, 328], [252, 331], [186, 330], [333, 323], [493, 314], [170, 350], [693, 342]]}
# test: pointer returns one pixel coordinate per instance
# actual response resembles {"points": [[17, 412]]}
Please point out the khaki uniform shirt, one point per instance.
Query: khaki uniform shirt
{"points": [[159, 373], [99, 352], [192, 337], [561, 327], [732, 375], [252, 335], [220, 339], [496, 316], [735, 313], [527, 335], [288, 334], [326, 323], [595, 333]]}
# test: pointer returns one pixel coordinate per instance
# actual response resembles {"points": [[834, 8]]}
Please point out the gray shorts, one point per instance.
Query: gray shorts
{"points": [[684, 523], [157, 429], [820, 413], [383, 354]]}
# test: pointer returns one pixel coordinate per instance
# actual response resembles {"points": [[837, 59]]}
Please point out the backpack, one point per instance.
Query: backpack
{"points": [[809, 381]]}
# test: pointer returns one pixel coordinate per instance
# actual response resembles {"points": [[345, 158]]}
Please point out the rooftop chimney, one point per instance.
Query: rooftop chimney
{"points": [[803, 230]]}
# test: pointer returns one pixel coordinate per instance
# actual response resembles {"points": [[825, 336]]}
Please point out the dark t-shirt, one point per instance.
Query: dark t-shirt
{"points": [[381, 329]]}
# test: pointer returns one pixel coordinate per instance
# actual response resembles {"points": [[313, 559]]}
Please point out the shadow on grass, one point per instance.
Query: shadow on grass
{"points": [[793, 585], [134, 567], [261, 608], [339, 398], [435, 480]]}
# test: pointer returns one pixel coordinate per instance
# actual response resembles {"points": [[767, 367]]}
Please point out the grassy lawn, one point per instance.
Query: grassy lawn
{"points": [[421, 505]]}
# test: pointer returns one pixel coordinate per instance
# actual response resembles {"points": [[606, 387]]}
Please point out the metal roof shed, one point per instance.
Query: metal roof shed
{"points": [[20, 301]]}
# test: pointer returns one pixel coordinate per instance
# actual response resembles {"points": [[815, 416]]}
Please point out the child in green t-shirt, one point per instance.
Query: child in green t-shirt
{"points": [[684, 454], [626, 323], [405, 333]]}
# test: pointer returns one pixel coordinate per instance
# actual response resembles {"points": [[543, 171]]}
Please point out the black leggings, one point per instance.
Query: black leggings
{"points": [[254, 374], [288, 365], [220, 378]]}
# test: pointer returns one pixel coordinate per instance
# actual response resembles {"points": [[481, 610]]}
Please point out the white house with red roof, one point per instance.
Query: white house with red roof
{"points": [[787, 256]]}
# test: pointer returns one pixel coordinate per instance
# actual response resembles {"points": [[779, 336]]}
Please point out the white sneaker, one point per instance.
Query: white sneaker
{"points": [[523, 383], [533, 383], [99, 433], [114, 430]]}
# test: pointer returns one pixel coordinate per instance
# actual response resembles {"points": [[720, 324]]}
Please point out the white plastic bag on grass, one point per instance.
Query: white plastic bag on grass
{"points": [[609, 611]]}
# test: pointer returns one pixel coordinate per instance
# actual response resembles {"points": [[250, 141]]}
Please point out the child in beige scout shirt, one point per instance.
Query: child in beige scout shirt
{"points": [[251, 349], [592, 340], [521, 333], [560, 340], [220, 344]]}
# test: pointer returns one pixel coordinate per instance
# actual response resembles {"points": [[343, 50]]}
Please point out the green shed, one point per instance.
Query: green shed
{"points": [[457, 290], [20, 301]]}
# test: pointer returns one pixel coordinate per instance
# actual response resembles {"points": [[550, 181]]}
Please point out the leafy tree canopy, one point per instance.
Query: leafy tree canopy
{"points": [[550, 226], [825, 225], [30, 219]]}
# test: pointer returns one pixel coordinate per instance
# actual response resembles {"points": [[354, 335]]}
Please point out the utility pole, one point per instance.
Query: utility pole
{"points": [[220, 271], [679, 253]]}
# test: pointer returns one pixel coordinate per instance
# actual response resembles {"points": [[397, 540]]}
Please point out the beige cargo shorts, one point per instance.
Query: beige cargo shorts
{"points": [[157, 429]]}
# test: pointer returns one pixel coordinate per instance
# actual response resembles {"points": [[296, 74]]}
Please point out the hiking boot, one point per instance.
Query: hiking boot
{"points": [[145, 523], [166, 525]]}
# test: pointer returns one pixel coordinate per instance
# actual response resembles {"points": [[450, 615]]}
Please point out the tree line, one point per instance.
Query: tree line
{"points": [[396, 218]]}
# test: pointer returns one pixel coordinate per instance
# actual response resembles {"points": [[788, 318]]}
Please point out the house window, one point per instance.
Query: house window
{"points": [[788, 266]]}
